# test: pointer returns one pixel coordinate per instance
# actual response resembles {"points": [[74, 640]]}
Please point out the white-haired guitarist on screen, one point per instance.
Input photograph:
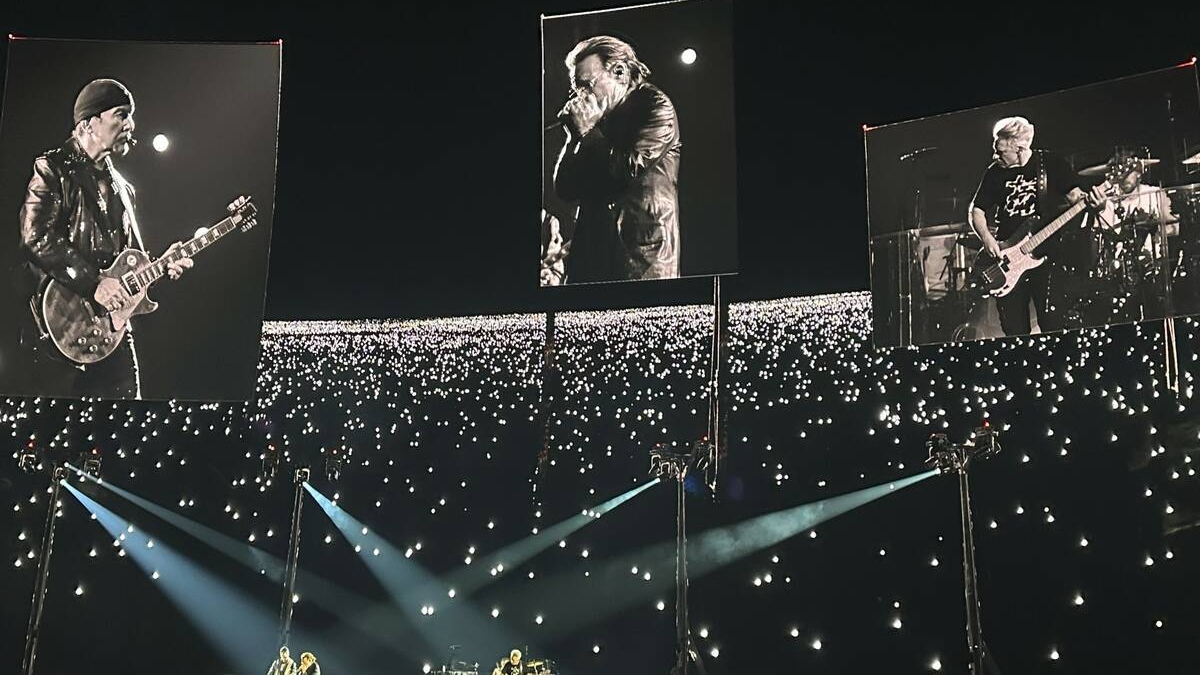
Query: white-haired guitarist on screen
{"points": [[1022, 194], [76, 220]]}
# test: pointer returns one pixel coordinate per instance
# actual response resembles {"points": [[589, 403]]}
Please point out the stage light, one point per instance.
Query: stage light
{"points": [[334, 462], [270, 463], [90, 460], [161, 143], [27, 460], [688, 56]]}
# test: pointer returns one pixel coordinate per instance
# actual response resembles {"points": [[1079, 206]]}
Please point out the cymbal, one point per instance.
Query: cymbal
{"points": [[1194, 159], [1101, 169], [533, 663], [944, 228]]}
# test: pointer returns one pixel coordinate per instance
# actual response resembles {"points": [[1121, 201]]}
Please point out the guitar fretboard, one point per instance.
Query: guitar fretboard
{"points": [[1055, 225], [158, 268]]}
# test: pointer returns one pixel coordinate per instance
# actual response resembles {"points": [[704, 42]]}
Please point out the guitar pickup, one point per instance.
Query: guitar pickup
{"points": [[130, 283]]}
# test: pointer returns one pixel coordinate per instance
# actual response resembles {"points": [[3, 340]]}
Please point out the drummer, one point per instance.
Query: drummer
{"points": [[1138, 204]]}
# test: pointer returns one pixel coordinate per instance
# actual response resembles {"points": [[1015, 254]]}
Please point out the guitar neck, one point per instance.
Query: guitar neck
{"points": [[1057, 224], [189, 249]]}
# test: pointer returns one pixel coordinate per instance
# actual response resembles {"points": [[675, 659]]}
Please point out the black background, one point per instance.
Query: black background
{"points": [[703, 96], [218, 106]]}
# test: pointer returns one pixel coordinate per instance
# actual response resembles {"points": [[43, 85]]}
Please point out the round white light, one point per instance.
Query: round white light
{"points": [[688, 56], [161, 143]]}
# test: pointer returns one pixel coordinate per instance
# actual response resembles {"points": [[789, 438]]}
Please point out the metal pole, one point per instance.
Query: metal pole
{"points": [[974, 622], [548, 388], [39, 590], [289, 583], [718, 362]]}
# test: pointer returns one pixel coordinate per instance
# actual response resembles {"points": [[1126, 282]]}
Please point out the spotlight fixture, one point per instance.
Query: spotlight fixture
{"points": [[666, 461], [270, 462], [950, 458], [90, 461], [334, 462], [303, 474], [27, 458]]}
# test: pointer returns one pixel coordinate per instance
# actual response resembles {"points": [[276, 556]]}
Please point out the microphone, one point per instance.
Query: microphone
{"points": [[132, 141], [909, 155], [563, 116]]}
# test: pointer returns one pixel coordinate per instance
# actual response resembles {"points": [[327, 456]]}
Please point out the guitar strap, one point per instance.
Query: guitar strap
{"points": [[124, 189], [1043, 181]]}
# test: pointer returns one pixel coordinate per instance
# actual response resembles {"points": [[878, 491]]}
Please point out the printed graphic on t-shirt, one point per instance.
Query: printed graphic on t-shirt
{"points": [[1022, 197]]}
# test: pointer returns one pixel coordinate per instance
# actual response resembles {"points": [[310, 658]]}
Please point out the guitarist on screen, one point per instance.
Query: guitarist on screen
{"points": [[77, 216], [1023, 183]]}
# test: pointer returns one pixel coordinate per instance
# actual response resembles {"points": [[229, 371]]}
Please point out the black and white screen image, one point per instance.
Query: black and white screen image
{"points": [[137, 189], [639, 176], [1070, 210]]}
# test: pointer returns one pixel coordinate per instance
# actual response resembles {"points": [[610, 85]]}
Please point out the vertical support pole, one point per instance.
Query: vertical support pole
{"points": [[293, 561], [43, 573]]}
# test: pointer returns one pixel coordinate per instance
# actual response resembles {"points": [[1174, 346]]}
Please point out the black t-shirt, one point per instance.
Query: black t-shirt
{"points": [[1009, 195], [507, 667]]}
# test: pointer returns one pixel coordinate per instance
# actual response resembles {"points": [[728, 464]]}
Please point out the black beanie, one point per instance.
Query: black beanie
{"points": [[98, 96]]}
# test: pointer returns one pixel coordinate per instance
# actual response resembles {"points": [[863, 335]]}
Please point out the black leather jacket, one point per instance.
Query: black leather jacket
{"points": [[625, 175], [66, 233]]}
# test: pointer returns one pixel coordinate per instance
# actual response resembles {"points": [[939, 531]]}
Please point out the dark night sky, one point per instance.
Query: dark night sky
{"points": [[409, 150]]}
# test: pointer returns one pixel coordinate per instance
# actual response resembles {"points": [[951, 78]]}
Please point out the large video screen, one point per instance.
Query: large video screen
{"points": [[137, 188], [1068, 210], [639, 176]]}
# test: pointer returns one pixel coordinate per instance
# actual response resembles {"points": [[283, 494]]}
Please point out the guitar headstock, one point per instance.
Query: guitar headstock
{"points": [[242, 212]]}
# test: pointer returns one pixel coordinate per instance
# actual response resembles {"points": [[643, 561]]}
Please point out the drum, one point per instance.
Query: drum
{"points": [[944, 254]]}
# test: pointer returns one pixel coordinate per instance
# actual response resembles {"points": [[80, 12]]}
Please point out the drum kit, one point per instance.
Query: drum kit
{"points": [[534, 667], [1143, 266]]}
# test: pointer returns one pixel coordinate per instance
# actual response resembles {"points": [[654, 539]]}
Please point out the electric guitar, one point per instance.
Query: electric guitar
{"points": [[998, 276], [83, 331]]}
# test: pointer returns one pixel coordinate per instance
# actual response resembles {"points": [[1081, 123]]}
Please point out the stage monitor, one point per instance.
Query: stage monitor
{"points": [[639, 176], [137, 189], [1075, 209]]}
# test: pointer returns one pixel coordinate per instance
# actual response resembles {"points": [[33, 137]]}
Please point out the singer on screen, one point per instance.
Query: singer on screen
{"points": [[620, 162], [77, 217]]}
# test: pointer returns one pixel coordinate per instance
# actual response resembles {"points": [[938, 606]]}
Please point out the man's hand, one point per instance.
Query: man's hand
{"points": [[1096, 197], [175, 269], [585, 112], [110, 295], [992, 246]]}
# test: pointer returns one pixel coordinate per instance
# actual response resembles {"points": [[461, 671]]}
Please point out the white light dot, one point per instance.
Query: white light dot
{"points": [[816, 644], [688, 56], [161, 143]]}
